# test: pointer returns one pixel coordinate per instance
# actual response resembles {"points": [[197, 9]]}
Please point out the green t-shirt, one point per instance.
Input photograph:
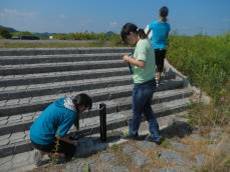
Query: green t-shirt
{"points": [[144, 52]]}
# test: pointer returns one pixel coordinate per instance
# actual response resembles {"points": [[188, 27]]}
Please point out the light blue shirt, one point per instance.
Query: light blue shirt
{"points": [[160, 31], [55, 120]]}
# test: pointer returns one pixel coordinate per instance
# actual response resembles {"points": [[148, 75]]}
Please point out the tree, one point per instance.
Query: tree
{"points": [[5, 34], [26, 33]]}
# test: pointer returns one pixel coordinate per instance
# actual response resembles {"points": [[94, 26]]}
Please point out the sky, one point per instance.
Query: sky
{"points": [[187, 17]]}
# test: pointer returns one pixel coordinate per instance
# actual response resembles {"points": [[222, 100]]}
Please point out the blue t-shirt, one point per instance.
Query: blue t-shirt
{"points": [[160, 32], [55, 120]]}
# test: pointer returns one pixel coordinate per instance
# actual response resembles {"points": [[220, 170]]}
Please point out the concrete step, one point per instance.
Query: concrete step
{"points": [[15, 80], [119, 119], [22, 162], [52, 51], [15, 60], [59, 67], [33, 78], [33, 104], [19, 142], [38, 78], [16, 123], [33, 100], [23, 91], [60, 86]]}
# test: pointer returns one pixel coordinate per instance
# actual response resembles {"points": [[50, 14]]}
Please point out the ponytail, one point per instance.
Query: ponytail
{"points": [[141, 33], [164, 13], [130, 27]]}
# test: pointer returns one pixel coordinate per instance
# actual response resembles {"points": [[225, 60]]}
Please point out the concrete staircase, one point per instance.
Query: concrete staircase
{"points": [[30, 79]]}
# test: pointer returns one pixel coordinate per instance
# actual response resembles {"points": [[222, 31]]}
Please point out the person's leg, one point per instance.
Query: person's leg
{"points": [[160, 63], [163, 59], [153, 124], [157, 61], [148, 112], [40, 151], [37, 157], [138, 101]]}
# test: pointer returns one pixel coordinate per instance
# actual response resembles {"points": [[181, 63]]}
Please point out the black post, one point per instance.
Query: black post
{"points": [[103, 129], [76, 123]]}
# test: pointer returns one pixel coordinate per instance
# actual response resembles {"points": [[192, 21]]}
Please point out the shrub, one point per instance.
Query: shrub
{"points": [[5, 34]]}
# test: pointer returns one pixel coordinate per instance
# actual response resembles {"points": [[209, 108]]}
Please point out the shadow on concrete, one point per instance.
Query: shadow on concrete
{"points": [[177, 129]]}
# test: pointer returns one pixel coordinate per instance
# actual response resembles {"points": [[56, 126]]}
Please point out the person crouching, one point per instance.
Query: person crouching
{"points": [[49, 130]]}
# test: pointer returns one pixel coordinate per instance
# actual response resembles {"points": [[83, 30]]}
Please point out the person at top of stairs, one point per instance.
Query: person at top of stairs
{"points": [[143, 67], [160, 30], [48, 132]]}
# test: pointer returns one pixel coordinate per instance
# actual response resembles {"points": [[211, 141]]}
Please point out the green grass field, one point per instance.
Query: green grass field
{"points": [[206, 61], [52, 44]]}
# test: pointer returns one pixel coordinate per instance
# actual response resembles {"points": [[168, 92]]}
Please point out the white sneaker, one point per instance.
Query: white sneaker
{"points": [[157, 83], [37, 157]]}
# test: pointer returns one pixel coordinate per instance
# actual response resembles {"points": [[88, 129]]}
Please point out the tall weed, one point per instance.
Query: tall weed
{"points": [[206, 61]]}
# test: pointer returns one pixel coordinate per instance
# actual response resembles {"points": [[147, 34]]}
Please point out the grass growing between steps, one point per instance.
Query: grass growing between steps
{"points": [[206, 61], [152, 154], [218, 162], [219, 159]]}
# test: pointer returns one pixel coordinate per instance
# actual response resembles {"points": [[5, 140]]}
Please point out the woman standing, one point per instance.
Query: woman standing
{"points": [[143, 71], [160, 30]]}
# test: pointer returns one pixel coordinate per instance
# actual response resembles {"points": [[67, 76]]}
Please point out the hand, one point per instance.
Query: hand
{"points": [[126, 58]]}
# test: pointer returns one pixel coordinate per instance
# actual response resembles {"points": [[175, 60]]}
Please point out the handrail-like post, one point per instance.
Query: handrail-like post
{"points": [[103, 129]]}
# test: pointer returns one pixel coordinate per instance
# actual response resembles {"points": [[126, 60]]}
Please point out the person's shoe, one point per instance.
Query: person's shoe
{"points": [[37, 157], [158, 141], [157, 82]]}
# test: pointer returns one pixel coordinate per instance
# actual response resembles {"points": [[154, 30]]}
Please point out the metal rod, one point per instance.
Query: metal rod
{"points": [[129, 65], [103, 129], [76, 123]]}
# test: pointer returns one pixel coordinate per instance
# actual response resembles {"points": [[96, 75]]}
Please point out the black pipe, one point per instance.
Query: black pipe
{"points": [[76, 123], [129, 65], [103, 129]]}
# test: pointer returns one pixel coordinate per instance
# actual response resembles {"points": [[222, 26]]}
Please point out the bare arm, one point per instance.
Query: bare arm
{"points": [[134, 61]]}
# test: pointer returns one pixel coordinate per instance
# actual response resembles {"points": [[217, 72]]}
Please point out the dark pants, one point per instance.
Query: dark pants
{"points": [[142, 98], [160, 56], [57, 146]]}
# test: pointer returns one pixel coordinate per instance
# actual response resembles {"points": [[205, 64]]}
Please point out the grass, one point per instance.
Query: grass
{"points": [[217, 163], [44, 44], [219, 159], [86, 167], [206, 61], [113, 42], [166, 143]]}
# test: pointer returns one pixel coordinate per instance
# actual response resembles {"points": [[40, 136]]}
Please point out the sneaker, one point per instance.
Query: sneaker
{"points": [[157, 82], [157, 141], [37, 157]]}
